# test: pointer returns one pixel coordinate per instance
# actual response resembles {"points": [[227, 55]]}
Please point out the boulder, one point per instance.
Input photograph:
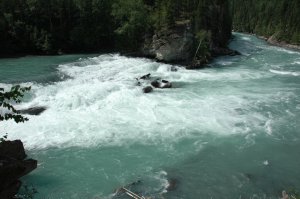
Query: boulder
{"points": [[155, 84], [11, 170], [174, 45], [165, 84], [12, 167], [11, 190], [33, 111], [161, 84], [147, 89], [172, 184], [12, 149]]}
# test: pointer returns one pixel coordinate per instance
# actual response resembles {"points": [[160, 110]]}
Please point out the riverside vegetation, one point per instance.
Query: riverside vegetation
{"points": [[68, 26], [279, 19]]}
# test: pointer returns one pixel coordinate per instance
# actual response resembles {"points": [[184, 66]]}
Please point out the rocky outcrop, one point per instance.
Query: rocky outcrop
{"points": [[193, 40], [272, 40], [13, 149], [13, 166], [174, 45]]}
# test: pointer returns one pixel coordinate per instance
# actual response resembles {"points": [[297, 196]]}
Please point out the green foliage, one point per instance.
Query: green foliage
{"points": [[13, 96], [132, 19], [40, 26], [278, 18], [51, 26], [164, 15]]}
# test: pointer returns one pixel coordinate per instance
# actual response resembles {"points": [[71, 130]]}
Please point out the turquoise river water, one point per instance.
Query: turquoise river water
{"points": [[231, 130]]}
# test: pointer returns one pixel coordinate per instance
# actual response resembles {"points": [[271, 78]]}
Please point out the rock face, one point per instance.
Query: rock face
{"points": [[192, 41], [272, 40], [13, 149], [171, 45], [13, 166]]}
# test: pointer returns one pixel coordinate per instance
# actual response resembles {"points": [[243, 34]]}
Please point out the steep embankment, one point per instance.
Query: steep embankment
{"points": [[277, 21]]}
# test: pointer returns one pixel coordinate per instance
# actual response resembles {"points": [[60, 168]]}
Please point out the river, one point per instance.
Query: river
{"points": [[230, 130]]}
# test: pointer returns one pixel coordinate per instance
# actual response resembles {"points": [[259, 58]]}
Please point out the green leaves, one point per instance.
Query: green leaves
{"points": [[132, 21], [13, 96]]}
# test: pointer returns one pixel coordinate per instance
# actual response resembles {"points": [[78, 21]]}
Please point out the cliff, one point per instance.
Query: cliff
{"points": [[192, 35]]}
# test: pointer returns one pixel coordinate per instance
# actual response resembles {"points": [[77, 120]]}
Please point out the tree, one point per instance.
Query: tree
{"points": [[132, 20], [8, 98]]}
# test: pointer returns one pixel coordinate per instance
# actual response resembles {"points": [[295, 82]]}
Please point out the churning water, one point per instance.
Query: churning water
{"points": [[228, 131]]}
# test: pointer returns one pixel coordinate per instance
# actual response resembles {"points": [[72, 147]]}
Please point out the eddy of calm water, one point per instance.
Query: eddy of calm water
{"points": [[228, 131]]}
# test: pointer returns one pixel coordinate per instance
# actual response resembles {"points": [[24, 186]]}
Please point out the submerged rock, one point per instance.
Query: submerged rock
{"points": [[172, 184], [174, 69], [147, 89], [33, 111], [12, 167]]}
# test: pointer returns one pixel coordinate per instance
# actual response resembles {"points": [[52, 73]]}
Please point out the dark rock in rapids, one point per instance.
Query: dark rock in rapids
{"points": [[146, 76], [34, 110], [161, 84], [147, 89], [13, 166], [172, 184]]}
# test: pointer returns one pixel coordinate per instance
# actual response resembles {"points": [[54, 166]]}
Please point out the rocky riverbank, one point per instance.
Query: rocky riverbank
{"points": [[272, 40], [13, 166]]}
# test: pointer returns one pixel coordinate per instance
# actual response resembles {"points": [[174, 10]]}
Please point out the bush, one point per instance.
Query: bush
{"points": [[13, 96]]}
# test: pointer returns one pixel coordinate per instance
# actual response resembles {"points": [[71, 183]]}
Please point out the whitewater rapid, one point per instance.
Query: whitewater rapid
{"points": [[100, 104], [224, 130]]}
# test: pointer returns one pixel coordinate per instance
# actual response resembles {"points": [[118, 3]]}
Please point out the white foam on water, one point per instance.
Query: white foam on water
{"points": [[246, 38], [268, 127], [281, 50], [101, 105], [296, 63], [290, 73], [266, 163], [163, 182]]}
